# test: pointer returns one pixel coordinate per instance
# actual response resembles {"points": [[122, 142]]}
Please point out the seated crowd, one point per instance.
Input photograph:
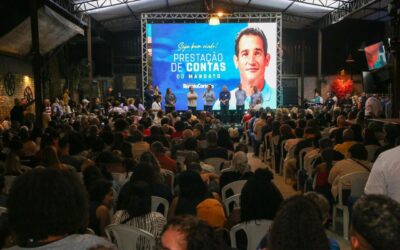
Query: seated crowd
{"points": [[64, 187]]}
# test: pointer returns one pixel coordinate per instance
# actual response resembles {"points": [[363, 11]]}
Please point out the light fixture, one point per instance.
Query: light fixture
{"points": [[214, 20]]}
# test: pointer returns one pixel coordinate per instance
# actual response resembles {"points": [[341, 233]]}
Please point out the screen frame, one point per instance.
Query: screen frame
{"points": [[253, 17]]}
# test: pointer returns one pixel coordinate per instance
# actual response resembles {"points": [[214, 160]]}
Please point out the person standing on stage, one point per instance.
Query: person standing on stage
{"points": [[209, 98], [156, 106], [148, 97], [317, 98], [156, 92], [192, 100], [331, 101], [241, 96], [170, 100], [256, 97], [224, 98]]}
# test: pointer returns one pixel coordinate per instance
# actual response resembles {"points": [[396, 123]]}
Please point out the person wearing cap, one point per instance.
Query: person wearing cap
{"points": [[165, 161]]}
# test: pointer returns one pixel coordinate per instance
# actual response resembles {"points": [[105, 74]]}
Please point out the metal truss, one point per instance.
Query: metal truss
{"points": [[203, 17], [332, 4], [288, 18], [68, 7], [345, 9], [88, 5]]}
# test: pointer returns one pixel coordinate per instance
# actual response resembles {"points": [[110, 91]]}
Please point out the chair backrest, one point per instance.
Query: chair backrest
{"points": [[282, 152], [254, 230], [3, 210], [216, 162], [357, 180], [235, 200], [169, 178], [227, 170], [156, 202], [90, 231], [235, 187], [127, 237], [302, 153]]}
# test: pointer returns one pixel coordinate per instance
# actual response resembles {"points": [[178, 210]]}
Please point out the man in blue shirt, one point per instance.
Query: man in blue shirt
{"points": [[209, 99], [255, 97], [224, 98], [241, 96]]}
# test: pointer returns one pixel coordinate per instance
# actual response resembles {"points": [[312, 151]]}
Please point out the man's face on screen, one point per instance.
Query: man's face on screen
{"points": [[251, 59]]}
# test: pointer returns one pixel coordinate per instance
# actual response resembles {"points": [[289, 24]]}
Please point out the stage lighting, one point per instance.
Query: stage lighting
{"points": [[214, 20]]}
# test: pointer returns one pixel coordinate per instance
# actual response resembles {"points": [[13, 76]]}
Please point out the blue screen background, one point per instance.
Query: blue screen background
{"points": [[165, 39]]}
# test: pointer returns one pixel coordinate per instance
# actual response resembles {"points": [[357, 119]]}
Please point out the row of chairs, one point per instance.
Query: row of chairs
{"points": [[357, 180], [126, 237]]}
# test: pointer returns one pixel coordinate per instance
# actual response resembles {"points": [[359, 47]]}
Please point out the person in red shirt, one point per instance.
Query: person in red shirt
{"points": [[165, 161]]}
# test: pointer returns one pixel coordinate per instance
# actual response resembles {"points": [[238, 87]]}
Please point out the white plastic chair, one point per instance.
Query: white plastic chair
{"points": [[267, 152], [235, 186], [302, 153], [169, 174], [227, 170], [126, 237], [235, 199], [282, 158], [216, 162], [90, 231], [156, 202], [357, 181], [3, 210], [254, 230]]}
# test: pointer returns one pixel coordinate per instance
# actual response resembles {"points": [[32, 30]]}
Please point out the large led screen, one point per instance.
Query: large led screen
{"points": [[184, 55]]}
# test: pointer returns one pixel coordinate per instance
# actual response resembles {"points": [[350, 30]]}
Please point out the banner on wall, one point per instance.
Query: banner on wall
{"points": [[198, 55]]}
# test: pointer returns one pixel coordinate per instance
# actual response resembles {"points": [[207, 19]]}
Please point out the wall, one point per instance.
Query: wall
{"points": [[22, 71]]}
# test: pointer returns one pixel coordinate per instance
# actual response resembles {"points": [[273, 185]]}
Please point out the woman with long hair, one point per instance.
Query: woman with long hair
{"points": [[192, 191], [134, 209], [298, 225], [151, 160], [260, 199]]}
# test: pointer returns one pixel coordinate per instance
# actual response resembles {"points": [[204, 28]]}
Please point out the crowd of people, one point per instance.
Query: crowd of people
{"points": [[97, 164]]}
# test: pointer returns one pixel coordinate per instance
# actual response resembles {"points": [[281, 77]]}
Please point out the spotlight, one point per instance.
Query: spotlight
{"points": [[214, 20]]}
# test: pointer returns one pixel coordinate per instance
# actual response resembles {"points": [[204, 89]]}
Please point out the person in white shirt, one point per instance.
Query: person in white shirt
{"points": [[385, 175], [192, 100], [241, 96], [373, 107], [209, 98], [258, 105], [156, 106]]}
